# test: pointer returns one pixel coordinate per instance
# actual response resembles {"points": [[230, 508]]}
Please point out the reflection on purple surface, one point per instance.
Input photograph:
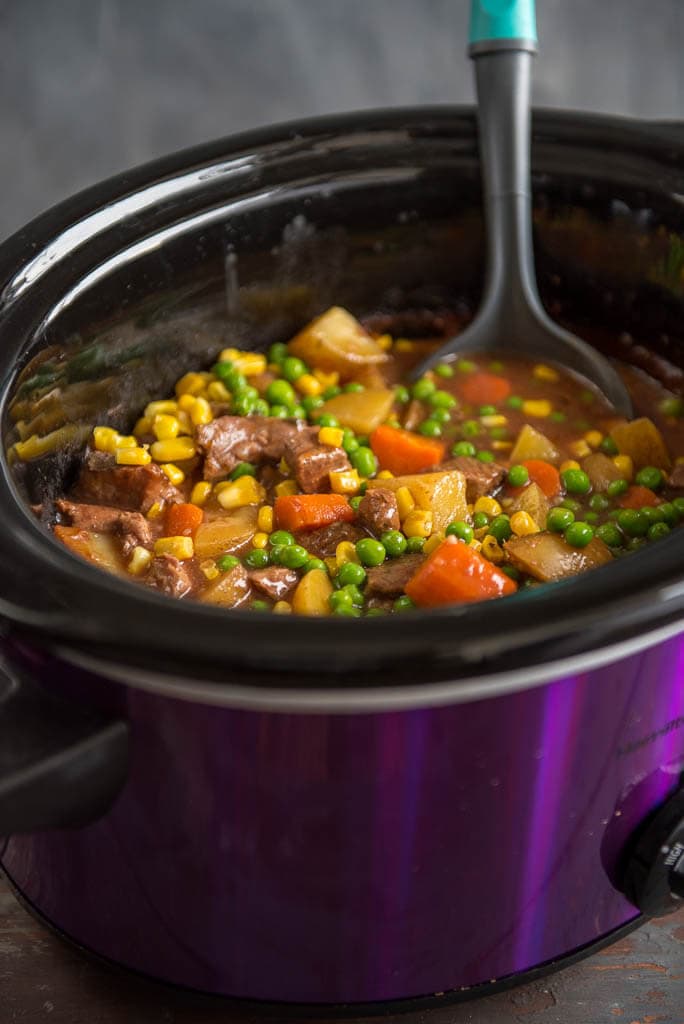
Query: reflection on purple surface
{"points": [[332, 858]]}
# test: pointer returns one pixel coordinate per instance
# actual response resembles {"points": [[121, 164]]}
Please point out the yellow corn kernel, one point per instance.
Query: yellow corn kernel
{"points": [[481, 532], [327, 380], [190, 384], [201, 412], [308, 385], [165, 427], [418, 523], [593, 438], [344, 481], [155, 510], [210, 568], [385, 474], [105, 438], [569, 464], [176, 449], [248, 363], [180, 547], [385, 342], [140, 559], [490, 507], [132, 457], [282, 608], [491, 549], [185, 423], [200, 493], [331, 564], [493, 421], [168, 406], [345, 552], [543, 372], [433, 541], [625, 465], [580, 448], [186, 402], [507, 502], [539, 407], [283, 467], [476, 545], [405, 502], [229, 355], [331, 435], [285, 488], [260, 540], [523, 524], [404, 345], [502, 446], [126, 441], [175, 475], [143, 427], [246, 490], [218, 392], [265, 518]]}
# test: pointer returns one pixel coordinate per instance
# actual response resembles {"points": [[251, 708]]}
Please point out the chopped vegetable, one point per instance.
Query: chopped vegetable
{"points": [[456, 573], [601, 470], [309, 511], [643, 442], [484, 389], [226, 535], [637, 496], [532, 444], [183, 520], [548, 557], [443, 494], [336, 341], [403, 452], [98, 548], [312, 596], [544, 475], [361, 411]]}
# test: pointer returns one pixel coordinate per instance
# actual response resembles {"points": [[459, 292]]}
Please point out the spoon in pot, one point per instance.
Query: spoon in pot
{"points": [[503, 40]]}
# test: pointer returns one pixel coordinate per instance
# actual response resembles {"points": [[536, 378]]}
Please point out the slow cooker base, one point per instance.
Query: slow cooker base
{"points": [[417, 1004]]}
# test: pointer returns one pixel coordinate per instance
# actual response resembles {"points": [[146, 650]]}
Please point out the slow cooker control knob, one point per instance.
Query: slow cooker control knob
{"points": [[654, 873]]}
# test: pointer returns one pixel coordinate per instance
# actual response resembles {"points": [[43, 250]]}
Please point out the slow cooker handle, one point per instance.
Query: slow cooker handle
{"points": [[60, 765]]}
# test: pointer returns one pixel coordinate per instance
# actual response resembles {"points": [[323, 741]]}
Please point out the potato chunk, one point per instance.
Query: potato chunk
{"points": [[643, 442], [547, 557], [226, 534], [532, 444], [601, 470], [337, 341], [444, 494], [99, 548], [533, 501], [229, 590], [312, 596], [361, 411]]}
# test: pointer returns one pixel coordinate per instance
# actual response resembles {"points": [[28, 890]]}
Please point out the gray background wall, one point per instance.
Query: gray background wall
{"points": [[90, 87]]}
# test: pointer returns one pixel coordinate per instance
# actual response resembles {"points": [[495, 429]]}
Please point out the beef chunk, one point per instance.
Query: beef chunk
{"points": [[228, 440], [390, 578], [481, 477], [170, 575], [322, 542], [102, 519], [378, 511], [135, 488], [676, 479], [275, 581], [312, 465]]}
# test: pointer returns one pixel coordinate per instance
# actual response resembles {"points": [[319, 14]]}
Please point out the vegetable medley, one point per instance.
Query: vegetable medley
{"points": [[312, 480]]}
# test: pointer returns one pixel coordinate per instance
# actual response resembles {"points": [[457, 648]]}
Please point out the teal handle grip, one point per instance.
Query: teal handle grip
{"points": [[502, 19]]}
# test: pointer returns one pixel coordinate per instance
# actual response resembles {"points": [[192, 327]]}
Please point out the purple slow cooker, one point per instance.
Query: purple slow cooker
{"points": [[333, 811]]}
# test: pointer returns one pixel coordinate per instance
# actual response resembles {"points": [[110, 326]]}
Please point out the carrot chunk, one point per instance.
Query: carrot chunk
{"points": [[402, 451], [544, 475], [309, 511], [454, 573], [638, 497], [485, 388], [182, 520]]}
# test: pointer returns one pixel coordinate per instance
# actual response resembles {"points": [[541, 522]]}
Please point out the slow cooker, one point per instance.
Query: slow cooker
{"points": [[333, 811]]}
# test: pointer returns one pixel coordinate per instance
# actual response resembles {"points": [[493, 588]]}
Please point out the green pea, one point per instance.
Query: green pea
{"points": [[461, 530], [632, 522], [364, 461], [394, 542], [485, 456], [298, 412], [223, 369], [466, 366], [243, 405], [650, 477], [243, 469], [423, 388], [616, 487], [280, 412], [227, 562], [587, 397], [430, 428], [470, 428], [610, 535], [498, 434], [669, 513], [480, 519], [354, 593], [496, 366], [355, 502], [257, 558], [373, 613], [294, 556], [599, 503], [608, 446], [353, 387], [370, 551], [557, 417], [652, 514], [311, 402], [332, 392], [657, 531], [441, 416], [576, 481], [403, 604], [363, 440], [350, 573], [350, 611], [441, 400], [314, 563], [500, 528], [444, 370], [340, 599], [414, 545], [277, 352], [514, 402], [261, 407], [487, 410], [634, 543], [570, 503], [280, 392], [260, 606], [281, 539], [579, 534], [559, 519], [292, 368], [672, 407], [402, 394], [349, 442], [591, 517], [679, 505], [463, 448], [328, 420], [518, 476]]}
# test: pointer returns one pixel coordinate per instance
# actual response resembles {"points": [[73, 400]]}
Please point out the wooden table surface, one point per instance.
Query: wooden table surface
{"points": [[638, 980]]}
